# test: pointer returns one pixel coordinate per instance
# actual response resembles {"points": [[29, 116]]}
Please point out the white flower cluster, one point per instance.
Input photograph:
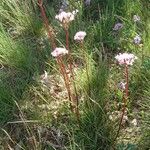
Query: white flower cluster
{"points": [[79, 36], [59, 52], [66, 17], [122, 86], [137, 39], [126, 58], [136, 18]]}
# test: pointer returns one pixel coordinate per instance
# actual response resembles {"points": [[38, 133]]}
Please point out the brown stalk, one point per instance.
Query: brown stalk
{"points": [[125, 98], [72, 74], [127, 80], [46, 23], [66, 79]]}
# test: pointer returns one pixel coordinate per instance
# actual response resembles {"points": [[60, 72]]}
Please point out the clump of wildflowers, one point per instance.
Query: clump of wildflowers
{"points": [[125, 58], [79, 36], [137, 40], [118, 26], [136, 18], [59, 52]]}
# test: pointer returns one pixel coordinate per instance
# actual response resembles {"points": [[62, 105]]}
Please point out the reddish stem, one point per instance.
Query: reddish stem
{"points": [[46, 23], [127, 81], [121, 119], [125, 98], [72, 74], [66, 80], [67, 39]]}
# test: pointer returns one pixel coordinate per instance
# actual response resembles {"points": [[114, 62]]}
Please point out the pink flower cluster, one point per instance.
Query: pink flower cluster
{"points": [[79, 36], [66, 17], [59, 52], [126, 58]]}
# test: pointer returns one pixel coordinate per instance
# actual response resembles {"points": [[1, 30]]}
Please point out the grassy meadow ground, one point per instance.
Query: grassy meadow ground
{"points": [[34, 106]]}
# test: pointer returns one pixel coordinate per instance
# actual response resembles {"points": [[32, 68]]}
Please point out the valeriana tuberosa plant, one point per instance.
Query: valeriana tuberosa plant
{"points": [[49, 29], [58, 53], [65, 18], [126, 60]]}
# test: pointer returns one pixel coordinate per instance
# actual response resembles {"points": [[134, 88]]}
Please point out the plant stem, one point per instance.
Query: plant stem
{"points": [[66, 80], [121, 119], [46, 23], [125, 98], [67, 39], [72, 74], [127, 81]]}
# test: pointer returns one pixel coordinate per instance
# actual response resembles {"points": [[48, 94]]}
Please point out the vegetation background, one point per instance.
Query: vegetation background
{"points": [[34, 113]]}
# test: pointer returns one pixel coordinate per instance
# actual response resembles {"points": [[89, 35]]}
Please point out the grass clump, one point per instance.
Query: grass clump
{"points": [[73, 100]]}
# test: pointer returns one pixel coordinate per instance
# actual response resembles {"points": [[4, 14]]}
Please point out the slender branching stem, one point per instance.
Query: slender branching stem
{"points": [[127, 81], [46, 23], [76, 100], [67, 39], [66, 79], [69, 53], [121, 119]]}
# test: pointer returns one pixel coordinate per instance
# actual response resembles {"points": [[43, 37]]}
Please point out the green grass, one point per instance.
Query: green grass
{"points": [[25, 55]]}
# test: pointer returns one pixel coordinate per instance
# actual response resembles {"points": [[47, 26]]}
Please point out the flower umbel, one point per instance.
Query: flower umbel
{"points": [[66, 17], [79, 36], [137, 40], [59, 52], [126, 58], [136, 18]]}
